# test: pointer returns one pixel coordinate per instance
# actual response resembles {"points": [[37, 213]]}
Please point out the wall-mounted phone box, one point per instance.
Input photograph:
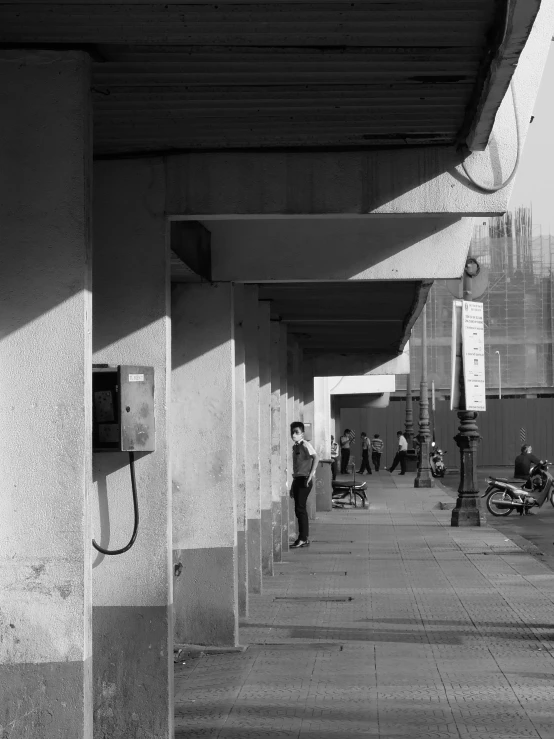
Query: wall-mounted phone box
{"points": [[123, 409]]}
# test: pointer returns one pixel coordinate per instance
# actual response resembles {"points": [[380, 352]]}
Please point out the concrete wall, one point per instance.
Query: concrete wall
{"points": [[253, 495], [45, 376], [203, 464], [240, 450], [264, 360], [276, 468], [132, 593]]}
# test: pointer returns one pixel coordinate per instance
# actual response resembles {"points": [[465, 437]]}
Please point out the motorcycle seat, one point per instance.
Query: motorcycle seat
{"points": [[349, 484], [510, 482]]}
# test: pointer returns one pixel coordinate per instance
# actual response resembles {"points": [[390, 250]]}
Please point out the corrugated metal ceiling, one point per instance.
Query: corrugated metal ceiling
{"points": [[329, 74]]}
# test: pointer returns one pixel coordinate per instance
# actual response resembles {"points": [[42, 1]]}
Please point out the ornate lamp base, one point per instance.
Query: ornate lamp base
{"points": [[467, 511]]}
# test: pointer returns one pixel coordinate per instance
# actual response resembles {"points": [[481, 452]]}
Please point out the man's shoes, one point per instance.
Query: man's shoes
{"points": [[401, 473], [298, 544]]}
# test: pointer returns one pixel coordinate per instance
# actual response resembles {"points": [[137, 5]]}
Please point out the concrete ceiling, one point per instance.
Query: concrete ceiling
{"points": [[174, 76], [369, 318]]}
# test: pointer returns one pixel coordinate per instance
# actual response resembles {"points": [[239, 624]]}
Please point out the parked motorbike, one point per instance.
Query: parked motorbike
{"points": [[503, 496], [436, 462]]}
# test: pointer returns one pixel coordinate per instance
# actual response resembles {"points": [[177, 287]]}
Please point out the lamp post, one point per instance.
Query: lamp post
{"points": [[467, 510], [499, 377], [423, 478]]}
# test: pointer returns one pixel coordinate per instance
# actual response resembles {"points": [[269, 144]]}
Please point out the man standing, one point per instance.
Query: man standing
{"points": [[376, 451], [304, 465], [365, 454], [345, 441], [400, 454]]}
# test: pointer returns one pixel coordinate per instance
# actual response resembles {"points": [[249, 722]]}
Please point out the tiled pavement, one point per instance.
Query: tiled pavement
{"points": [[392, 624]]}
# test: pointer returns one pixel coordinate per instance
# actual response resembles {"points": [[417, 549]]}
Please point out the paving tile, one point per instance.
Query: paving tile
{"points": [[449, 633]]}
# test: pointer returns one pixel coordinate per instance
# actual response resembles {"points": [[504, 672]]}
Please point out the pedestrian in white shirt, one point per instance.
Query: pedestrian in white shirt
{"points": [[400, 457]]}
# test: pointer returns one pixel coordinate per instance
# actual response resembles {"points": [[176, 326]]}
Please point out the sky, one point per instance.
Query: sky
{"points": [[534, 183]]}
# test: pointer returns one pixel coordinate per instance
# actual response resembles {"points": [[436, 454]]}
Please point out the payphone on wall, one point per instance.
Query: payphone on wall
{"points": [[123, 420]]}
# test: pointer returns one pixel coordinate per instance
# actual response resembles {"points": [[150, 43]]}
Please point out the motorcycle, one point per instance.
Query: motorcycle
{"points": [[436, 463], [503, 496]]}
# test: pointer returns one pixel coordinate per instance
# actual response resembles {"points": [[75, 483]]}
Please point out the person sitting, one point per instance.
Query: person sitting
{"points": [[524, 462]]}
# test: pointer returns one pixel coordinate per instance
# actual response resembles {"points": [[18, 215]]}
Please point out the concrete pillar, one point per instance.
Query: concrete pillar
{"points": [[264, 358], [291, 389], [132, 592], [275, 337], [252, 378], [308, 406], [203, 464], [45, 401], [240, 451], [297, 382], [286, 442], [322, 443]]}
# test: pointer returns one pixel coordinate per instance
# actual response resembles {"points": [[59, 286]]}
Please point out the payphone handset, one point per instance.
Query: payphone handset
{"points": [[123, 420]]}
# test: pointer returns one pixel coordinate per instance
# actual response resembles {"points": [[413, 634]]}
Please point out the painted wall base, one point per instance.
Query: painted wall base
{"points": [[254, 551], [29, 691], [205, 606], [130, 647], [267, 542], [285, 524], [242, 564], [277, 533]]}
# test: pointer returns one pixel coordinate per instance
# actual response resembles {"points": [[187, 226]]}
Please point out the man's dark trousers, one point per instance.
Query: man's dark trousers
{"points": [[376, 459], [365, 462], [399, 458], [344, 459], [299, 491]]}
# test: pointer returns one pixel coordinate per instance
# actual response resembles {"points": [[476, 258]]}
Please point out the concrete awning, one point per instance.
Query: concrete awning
{"points": [[179, 76], [369, 321]]}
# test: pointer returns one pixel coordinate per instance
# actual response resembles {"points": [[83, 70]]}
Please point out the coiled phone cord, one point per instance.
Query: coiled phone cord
{"points": [[135, 506]]}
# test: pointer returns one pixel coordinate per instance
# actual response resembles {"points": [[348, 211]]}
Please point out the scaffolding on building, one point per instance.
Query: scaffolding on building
{"points": [[518, 307]]}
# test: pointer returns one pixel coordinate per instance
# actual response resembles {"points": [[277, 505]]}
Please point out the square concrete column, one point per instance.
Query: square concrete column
{"points": [[240, 450], [252, 378], [276, 487], [132, 592], [264, 358], [286, 442], [308, 409], [297, 381], [322, 443], [45, 396], [203, 464]]}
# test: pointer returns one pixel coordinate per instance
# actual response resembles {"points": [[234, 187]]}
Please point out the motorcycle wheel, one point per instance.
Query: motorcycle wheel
{"points": [[497, 496], [441, 472]]}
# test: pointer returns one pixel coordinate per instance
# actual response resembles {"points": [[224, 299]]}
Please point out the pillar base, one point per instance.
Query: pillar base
{"points": [[424, 482], [466, 513]]}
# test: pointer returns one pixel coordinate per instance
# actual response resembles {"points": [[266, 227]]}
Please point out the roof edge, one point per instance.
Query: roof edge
{"points": [[510, 32]]}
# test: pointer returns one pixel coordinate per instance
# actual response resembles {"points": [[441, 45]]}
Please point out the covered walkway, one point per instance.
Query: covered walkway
{"points": [[392, 624]]}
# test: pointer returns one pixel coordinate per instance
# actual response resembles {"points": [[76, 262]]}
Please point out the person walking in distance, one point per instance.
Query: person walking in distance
{"points": [[304, 465], [345, 441], [334, 457], [400, 456], [376, 451], [365, 454]]}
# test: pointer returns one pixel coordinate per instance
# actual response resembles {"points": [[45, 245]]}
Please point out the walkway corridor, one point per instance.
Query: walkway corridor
{"points": [[392, 624]]}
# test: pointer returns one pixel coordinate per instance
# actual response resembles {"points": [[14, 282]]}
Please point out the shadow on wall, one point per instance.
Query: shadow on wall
{"points": [[105, 464]]}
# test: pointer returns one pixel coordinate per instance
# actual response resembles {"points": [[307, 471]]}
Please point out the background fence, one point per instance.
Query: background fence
{"points": [[500, 427]]}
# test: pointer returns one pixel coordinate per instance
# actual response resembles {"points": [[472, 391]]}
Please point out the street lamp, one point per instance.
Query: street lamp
{"points": [[467, 509], [499, 378]]}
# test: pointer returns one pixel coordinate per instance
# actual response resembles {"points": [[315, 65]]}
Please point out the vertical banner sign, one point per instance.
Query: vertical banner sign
{"points": [[473, 341], [456, 354]]}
